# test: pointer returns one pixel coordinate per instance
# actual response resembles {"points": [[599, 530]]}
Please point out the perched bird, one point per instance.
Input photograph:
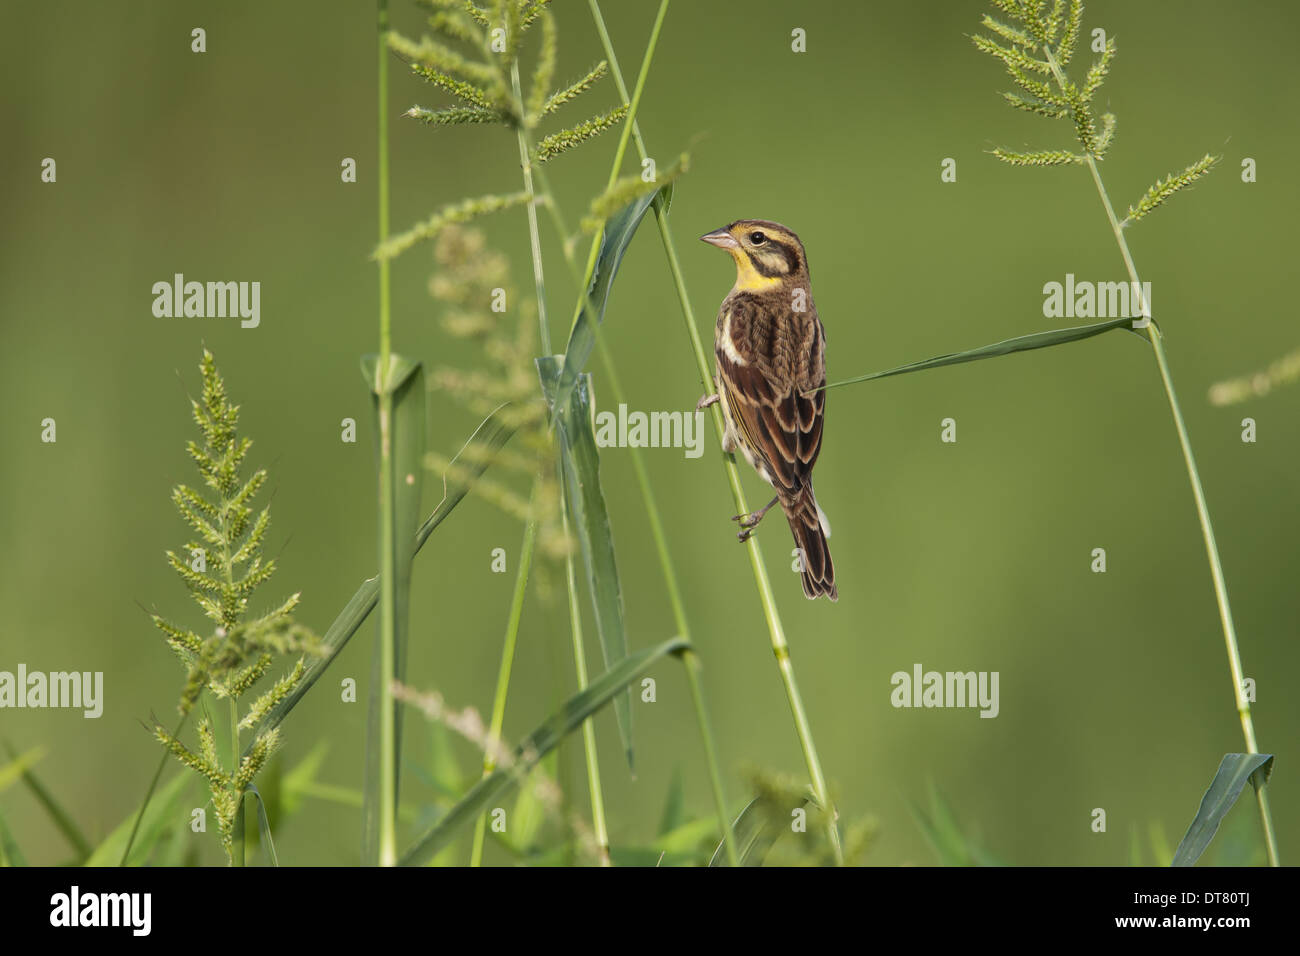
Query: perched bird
{"points": [[770, 349]]}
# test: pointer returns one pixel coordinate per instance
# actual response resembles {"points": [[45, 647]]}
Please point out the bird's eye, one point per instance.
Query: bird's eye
{"points": [[757, 238]]}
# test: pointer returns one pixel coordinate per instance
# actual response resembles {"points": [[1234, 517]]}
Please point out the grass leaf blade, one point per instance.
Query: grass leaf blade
{"points": [[18, 766], [754, 835], [619, 230], [581, 463], [264, 826], [10, 854], [1229, 780], [538, 744], [161, 813], [1022, 343], [406, 396], [57, 814]]}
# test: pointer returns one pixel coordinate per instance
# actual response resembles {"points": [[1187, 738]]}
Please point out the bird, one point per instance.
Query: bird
{"points": [[770, 350]]}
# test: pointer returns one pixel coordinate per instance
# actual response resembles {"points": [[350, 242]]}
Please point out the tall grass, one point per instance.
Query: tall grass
{"points": [[1040, 42], [492, 89]]}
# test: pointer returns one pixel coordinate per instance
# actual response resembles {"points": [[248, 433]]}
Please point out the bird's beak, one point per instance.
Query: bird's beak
{"points": [[722, 239]]}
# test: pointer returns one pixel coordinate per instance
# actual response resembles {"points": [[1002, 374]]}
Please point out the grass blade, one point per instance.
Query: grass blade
{"points": [[754, 834], [399, 398], [1022, 343], [264, 826], [674, 812], [953, 846], [18, 766], [296, 782], [1227, 785], [581, 463], [492, 433], [619, 230], [538, 744], [10, 855], [60, 817], [157, 817]]}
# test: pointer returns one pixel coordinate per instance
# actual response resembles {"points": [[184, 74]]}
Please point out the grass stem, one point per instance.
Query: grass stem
{"points": [[153, 785], [534, 237], [690, 659], [1198, 492], [599, 828], [507, 661], [237, 843], [387, 811], [775, 630]]}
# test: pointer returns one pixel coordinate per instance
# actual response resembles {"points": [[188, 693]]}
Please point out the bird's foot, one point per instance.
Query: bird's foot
{"points": [[705, 401], [748, 522]]}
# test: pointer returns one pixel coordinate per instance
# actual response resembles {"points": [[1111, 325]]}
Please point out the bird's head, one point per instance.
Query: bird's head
{"points": [[767, 254]]}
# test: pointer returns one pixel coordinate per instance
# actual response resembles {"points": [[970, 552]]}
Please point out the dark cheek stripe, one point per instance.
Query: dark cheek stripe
{"points": [[790, 256]]}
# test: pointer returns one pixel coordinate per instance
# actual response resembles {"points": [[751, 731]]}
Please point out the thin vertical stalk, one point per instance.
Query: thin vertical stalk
{"points": [[652, 510], [387, 515], [1198, 492], [534, 237], [599, 827], [507, 661], [692, 661], [237, 839], [575, 612], [148, 797], [776, 632], [693, 669], [629, 122]]}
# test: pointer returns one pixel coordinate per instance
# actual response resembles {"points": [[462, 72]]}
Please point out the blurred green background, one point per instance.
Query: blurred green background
{"points": [[1115, 690]]}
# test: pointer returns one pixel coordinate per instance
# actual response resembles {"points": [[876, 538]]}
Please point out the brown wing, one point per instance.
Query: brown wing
{"points": [[781, 360]]}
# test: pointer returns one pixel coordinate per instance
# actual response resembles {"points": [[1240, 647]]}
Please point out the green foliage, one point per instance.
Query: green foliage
{"points": [[10, 853], [239, 652], [468, 272], [627, 190], [571, 92], [1229, 780], [481, 80], [453, 214], [1035, 49], [1069, 97], [53, 809], [513, 767], [137, 838], [1021, 343], [485, 84], [783, 823], [563, 141], [1164, 188], [1046, 157], [586, 501], [954, 845]]}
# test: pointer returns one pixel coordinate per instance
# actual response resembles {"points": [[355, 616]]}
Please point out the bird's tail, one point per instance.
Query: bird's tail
{"points": [[810, 528]]}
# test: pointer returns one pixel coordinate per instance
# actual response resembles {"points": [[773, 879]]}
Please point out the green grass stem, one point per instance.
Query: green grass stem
{"points": [[1198, 493], [770, 613]]}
